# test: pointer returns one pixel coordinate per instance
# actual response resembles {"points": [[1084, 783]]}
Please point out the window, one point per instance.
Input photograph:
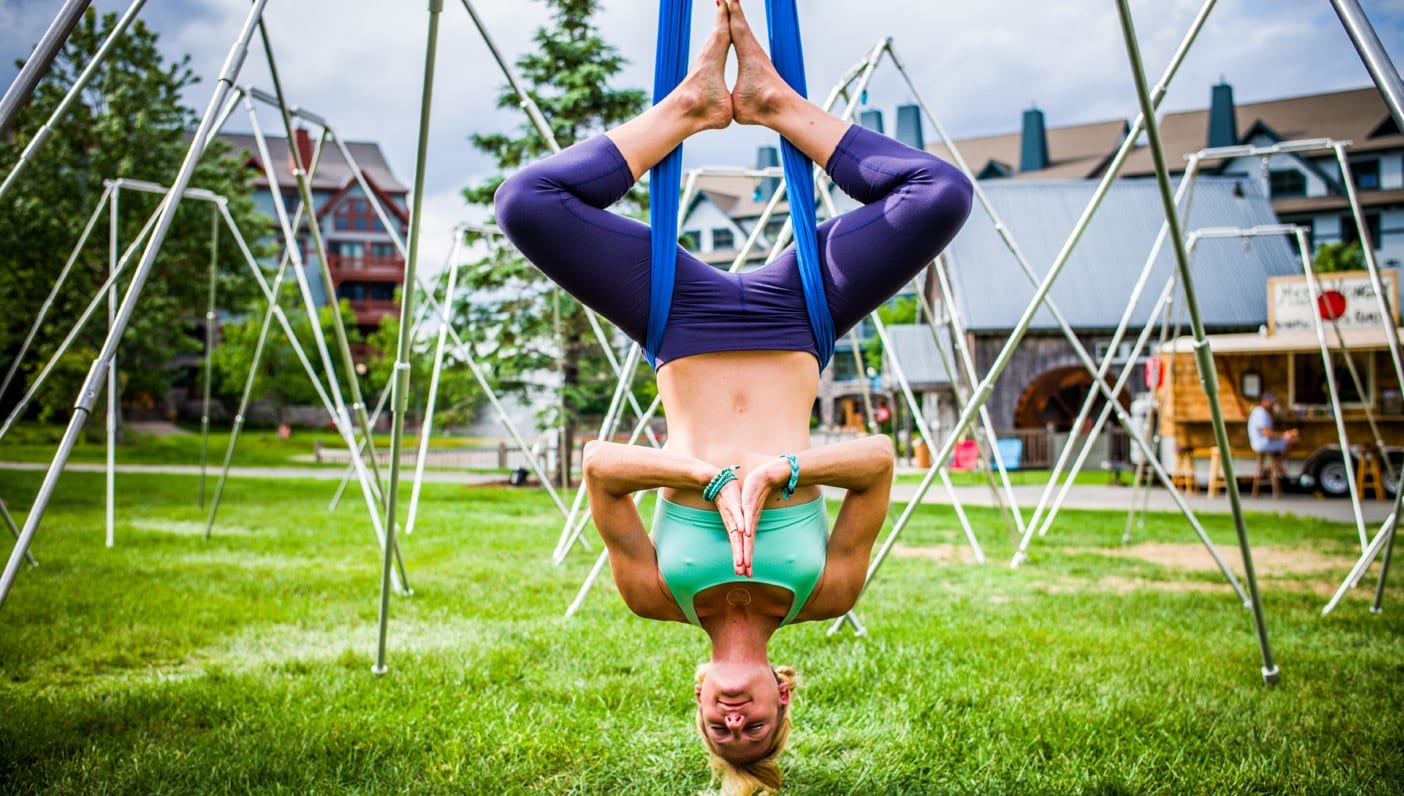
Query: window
{"points": [[355, 215], [1286, 182], [772, 229], [722, 239], [1309, 387], [351, 291], [1350, 233], [384, 251], [1367, 175]]}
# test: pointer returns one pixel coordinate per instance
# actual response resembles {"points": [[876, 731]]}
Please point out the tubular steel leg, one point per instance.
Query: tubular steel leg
{"points": [[91, 386], [1204, 356], [1372, 52], [400, 401], [74, 91], [38, 61], [15, 532]]}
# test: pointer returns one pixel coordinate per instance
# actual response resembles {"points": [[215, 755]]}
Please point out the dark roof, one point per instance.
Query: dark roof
{"points": [[992, 291], [1075, 152], [1358, 115], [333, 172]]}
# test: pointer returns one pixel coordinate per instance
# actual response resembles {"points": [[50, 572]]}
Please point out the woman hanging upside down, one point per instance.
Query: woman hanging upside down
{"points": [[741, 544]]}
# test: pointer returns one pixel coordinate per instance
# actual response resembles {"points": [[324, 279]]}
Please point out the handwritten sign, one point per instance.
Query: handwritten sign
{"points": [[1293, 308]]}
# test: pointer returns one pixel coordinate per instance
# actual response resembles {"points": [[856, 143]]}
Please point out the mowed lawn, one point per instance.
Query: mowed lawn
{"points": [[242, 663]]}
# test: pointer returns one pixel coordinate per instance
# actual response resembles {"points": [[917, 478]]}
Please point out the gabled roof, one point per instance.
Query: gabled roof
{"points": [[333, 172], [1076, 152], [736, 195], [915, 347], [991, 291], [1358, 115]]}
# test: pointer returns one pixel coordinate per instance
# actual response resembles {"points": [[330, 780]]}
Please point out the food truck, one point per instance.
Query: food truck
{"points": [[1286, 358]]}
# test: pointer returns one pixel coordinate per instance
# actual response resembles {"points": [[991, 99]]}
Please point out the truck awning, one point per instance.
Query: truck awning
{"points": [[1355, 339]]}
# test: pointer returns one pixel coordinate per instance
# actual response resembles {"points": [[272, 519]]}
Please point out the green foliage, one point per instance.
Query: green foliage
{"points": [[458, 397], [1335, 257], [241, 664], [128, 123], [898, 310], [279, 376], [523, 326]]}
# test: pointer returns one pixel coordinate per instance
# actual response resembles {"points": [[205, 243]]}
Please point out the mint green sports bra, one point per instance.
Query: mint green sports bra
{"points": [[694, 553]]}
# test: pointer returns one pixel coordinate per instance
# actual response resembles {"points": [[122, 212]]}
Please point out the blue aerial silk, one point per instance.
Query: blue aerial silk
{"points": [[670, 67]]}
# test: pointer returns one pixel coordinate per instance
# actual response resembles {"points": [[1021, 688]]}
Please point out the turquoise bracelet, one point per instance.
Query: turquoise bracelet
{"points": [[719, 481], [788, 491]]}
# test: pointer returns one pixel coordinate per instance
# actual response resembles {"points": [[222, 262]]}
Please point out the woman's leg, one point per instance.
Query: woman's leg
{"points": [[762, 97], [914, 202], [554, 210], [700, 102]]}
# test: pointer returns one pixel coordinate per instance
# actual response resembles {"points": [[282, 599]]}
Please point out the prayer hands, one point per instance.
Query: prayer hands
{"points": [[729, 503]]}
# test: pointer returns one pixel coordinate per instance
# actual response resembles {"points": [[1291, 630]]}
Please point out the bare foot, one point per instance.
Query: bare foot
{"points": [[760, 91], [703, 94]]}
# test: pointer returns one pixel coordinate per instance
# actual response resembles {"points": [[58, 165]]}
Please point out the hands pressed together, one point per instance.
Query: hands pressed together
{"points": [[740, 503]]}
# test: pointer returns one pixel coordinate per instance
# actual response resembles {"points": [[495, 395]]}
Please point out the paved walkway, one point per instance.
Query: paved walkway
{"points": [[1083, 496], [1119, 498]]}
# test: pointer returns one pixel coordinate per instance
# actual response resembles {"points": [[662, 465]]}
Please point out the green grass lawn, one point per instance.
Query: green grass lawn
{"points": [[172, 664]]}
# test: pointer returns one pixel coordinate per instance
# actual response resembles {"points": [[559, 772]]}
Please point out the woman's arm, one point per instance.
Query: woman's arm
{"points": [[613, 473], [864, 468]]}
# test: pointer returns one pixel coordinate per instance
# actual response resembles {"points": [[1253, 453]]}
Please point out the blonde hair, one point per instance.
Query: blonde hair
{"points": [[761, 776]]}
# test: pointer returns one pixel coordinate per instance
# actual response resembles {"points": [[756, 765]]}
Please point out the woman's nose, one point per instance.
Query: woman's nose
{"points": [[734, 720]]}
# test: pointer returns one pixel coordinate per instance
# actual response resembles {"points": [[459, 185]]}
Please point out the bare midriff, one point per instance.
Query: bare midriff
{"points": [[738, 407]]}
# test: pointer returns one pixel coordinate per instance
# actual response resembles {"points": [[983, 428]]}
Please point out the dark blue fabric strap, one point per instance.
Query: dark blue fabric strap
{"points": [[665, 181], [788, 56]]}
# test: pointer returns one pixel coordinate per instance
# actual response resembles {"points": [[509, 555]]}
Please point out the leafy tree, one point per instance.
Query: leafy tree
{"points": [[522, 323], [459, 395], [280, 379], [1336, 257], [129, 123]]}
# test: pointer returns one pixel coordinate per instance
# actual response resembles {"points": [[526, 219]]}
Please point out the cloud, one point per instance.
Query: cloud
{"points": [[978, 65]]}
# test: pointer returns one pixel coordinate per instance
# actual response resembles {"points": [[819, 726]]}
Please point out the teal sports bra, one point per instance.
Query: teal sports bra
{"points": [[694, 553]]}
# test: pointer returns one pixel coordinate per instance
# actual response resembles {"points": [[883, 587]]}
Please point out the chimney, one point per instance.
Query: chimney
{"points": [[1223, 126], [871, 120], [303, 142], [1033, 149], [766, 157], [909, 126]]}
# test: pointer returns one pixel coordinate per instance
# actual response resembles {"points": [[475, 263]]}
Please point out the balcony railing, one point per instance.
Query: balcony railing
{"points": [[366, 267]]}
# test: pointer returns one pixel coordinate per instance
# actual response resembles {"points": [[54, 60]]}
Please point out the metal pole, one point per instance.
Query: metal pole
{"points": [[400, 399], [110, 479], [100, 57], [426, 426], [209, 351], [38, 61], [14, 531], [88, 395], [1377, 62], [982, 391], [1204, 355]]}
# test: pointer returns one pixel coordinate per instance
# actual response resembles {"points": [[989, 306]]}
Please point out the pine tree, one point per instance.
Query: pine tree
{"points": [[525, 326]]}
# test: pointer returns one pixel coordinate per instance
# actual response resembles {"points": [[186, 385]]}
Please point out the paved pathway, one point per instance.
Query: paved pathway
{"points": [[1086, 496]]}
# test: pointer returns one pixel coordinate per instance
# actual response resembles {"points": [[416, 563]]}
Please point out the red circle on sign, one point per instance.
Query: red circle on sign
{"points": [[1331, 304], [882, 414]]}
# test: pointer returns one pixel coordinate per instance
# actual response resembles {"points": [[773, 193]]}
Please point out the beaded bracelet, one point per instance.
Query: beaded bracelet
{"points": [[788, 491], [725, 476]]}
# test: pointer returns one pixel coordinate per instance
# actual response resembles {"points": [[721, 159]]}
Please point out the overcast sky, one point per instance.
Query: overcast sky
{"points": [[978, 64]]}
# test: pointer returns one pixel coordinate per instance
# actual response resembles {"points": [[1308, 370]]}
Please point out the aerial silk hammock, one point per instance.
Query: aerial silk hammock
{"points": [[665, 180]]}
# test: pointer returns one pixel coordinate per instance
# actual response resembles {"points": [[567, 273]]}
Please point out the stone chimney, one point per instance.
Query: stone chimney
{"points": [[871, 120], [766, 157], [1033, 147], [1223, 124], [303, 142], [909, 126]]}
